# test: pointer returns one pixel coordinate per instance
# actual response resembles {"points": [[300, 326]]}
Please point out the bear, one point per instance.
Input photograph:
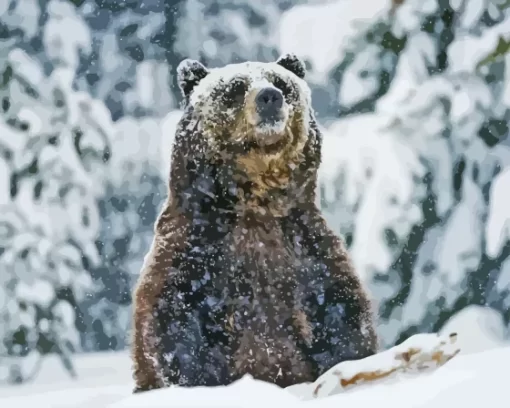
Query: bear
{"points": [[243, 276]]}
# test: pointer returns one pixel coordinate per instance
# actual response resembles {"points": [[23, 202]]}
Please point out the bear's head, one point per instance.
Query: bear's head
{"points": [[257, 105], [256, 117]]}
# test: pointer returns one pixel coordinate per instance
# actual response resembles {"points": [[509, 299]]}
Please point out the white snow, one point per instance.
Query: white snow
{"points": [[22, 14], [479, 328], [332, 25], [498, 223], [135, 142], [199, 32], [468, 50], [361, 77], [61, 47], [168, 128], [457, 257], [40, 292], [103, 382], [4, 181]]}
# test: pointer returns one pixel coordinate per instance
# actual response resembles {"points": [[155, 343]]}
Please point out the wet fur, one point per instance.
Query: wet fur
{"points": [[241, 246]]}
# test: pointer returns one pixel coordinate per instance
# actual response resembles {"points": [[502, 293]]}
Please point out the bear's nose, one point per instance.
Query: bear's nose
{"points": [[269, 101]]}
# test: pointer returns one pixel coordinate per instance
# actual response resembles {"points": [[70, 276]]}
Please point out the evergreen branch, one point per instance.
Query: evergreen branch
{"points": [[500, 51]]}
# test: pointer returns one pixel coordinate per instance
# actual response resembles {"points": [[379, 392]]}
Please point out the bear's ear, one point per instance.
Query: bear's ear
{"points": [[293, 64], [189, 73]]}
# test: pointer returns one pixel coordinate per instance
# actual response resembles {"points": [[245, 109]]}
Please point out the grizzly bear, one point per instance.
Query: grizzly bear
{"points": [[244, 276]]}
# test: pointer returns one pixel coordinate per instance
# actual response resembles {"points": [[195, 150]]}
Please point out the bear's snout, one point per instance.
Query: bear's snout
{"points": [[269, 102]]}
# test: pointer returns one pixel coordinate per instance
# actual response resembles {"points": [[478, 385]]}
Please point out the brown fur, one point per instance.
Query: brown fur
{"points": [[147, 295], [261, 341], [240, 245]]}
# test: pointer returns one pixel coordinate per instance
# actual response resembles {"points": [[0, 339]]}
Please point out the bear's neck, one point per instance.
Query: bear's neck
{"points": [[248, 185], [261, 200]]}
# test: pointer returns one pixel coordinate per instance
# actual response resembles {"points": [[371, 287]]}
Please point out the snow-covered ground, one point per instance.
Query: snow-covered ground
{"points": [[469, 380]]}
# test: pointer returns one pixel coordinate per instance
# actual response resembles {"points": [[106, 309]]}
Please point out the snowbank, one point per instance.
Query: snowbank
{"points": [[479, 328]]}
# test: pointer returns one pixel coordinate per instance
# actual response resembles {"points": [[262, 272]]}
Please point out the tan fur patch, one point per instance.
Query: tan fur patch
{"points": [[273, 171], [262, 241], [303, 325], [250, 113]]}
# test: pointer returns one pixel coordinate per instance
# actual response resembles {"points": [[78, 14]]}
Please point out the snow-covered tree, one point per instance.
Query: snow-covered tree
{"points": [[54, 143], [219, 32], [127, 68]]}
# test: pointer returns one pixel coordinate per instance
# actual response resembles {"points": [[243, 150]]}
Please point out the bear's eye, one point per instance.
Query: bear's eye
{"points": [[235, 92], [282, 86]]}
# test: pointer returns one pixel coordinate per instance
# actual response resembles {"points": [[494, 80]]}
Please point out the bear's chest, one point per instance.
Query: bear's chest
{"points": [[260, 272], [260, 260], [257, 276]]}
